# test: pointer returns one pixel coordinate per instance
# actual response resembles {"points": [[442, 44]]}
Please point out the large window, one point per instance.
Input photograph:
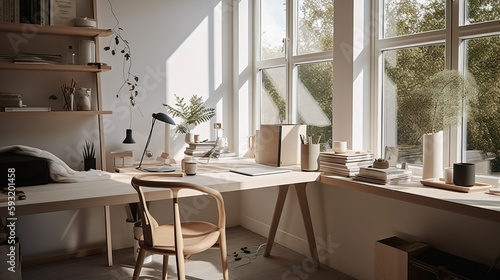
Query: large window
{"points": [[295, 64], [419, 38]]}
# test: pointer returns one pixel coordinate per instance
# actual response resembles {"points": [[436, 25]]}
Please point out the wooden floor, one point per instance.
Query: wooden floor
{"points": [[282, 264]]}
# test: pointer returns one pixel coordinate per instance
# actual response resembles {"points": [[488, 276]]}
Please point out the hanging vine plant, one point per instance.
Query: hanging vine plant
{"points": [[119, 45]]}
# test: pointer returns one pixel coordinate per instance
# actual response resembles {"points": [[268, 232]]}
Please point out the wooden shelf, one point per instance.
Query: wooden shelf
{"points": [[58, 113], [54, 30], [52, 67]]}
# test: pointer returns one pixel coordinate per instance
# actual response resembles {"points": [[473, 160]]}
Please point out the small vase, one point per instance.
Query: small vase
{"points": [[189, 138], [89, 163], [83, 101], [433, 155]]}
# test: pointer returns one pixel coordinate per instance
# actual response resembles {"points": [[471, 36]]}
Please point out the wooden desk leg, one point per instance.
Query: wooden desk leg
{"points": [[280, 201], [306, 215], [107, 227]]}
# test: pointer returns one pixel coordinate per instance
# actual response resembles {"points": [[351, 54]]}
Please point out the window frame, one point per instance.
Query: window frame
{"points": [[453, 37], [290, 61]]}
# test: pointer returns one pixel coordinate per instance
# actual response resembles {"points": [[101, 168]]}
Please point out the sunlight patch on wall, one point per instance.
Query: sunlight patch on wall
{"points": [[187, 69], [243, 36], [217, 46]]}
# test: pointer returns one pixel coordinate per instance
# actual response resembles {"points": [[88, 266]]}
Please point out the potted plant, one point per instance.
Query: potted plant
{"points": [[89, 161], [441, 102], [381, 163], [192, 114]]}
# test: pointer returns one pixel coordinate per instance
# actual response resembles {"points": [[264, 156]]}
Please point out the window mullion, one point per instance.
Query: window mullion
{"points": [[291, 49], [453, 147]]}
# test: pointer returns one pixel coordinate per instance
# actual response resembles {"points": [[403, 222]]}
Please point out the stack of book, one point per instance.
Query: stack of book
{"points": [[38, 58], [387, 176], [346, 165], [206, 149], [199, 149], [25, 109]]}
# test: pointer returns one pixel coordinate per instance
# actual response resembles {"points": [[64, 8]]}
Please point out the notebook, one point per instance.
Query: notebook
{"points": [[259, 170]]}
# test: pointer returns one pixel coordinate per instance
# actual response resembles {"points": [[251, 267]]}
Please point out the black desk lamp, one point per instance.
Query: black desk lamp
{"points": [[166, 119]]}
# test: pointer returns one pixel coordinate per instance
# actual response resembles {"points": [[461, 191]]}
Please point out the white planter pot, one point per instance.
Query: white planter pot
{"points": [[433, 155]]}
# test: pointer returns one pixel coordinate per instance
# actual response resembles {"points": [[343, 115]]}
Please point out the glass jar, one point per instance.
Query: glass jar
{"points": [[83, 101]]}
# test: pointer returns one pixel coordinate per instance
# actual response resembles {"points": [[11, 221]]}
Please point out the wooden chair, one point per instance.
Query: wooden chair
{"points": [[182, 238]]}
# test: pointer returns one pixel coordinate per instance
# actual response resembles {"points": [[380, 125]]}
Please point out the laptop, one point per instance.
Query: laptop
{"points": [[258, 170]]}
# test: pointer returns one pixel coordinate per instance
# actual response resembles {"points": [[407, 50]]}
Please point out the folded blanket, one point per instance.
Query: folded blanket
{"points": [[59, 171]]}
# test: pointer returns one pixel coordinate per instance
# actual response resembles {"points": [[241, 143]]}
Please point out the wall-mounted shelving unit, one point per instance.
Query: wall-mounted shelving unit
{"points": [[68, 31]]}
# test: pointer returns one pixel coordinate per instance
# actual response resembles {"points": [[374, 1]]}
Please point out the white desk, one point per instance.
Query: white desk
{"points": [[118, 191], [475, 204]]}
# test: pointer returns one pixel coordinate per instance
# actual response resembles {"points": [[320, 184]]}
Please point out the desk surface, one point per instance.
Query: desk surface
{"points": [[475, 204], [117, 190]]}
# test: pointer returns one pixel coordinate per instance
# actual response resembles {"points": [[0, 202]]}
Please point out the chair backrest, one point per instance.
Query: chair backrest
{"points": [[165, 182]]}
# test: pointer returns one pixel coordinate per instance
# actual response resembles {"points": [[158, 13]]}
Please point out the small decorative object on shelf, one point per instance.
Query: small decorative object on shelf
{"points": [[71, 56], [52, 97], [89, 161], [68, 94], [381, 163], [83, 101]]}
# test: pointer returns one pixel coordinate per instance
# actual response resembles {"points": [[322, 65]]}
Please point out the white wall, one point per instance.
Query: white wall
{"points": [[178, 47]]}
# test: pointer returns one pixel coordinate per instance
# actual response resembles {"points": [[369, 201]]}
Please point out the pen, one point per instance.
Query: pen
{"points": [[319, 139]]}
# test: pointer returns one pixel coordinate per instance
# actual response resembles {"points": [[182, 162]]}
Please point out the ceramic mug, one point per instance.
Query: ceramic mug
{"points": [[190, 167], [464, 174], [340, 147]]}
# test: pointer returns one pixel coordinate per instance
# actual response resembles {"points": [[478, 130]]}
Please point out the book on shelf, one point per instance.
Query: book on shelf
{"points": [[206, 148], [391, 181], [384, 174], [31, 58], [345, 158], [197, 145], [27, 109], [347, 170], [62, 12], [338, 172], [196, 153], [6, 57], [347, 164], [10, 99], [387, 176]]}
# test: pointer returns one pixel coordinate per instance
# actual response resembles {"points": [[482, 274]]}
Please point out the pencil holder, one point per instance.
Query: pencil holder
{"points": [[309, 157]]}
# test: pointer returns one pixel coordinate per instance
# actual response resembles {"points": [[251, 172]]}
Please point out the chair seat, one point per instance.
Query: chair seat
{"points": [[198, 237]]}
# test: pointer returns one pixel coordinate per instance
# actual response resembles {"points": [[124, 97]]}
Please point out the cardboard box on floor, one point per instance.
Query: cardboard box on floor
{"points": [[392, 258]]}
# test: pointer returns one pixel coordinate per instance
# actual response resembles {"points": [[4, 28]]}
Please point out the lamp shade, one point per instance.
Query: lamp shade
{"points": [[128, 137], [164, 118]]}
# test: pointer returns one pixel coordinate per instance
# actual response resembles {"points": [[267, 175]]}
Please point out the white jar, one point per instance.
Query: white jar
{"points": [[83, 99], [87, 51]]}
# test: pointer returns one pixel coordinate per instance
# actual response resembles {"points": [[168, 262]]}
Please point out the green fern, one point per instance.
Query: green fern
{"points": [[193, 113]]}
